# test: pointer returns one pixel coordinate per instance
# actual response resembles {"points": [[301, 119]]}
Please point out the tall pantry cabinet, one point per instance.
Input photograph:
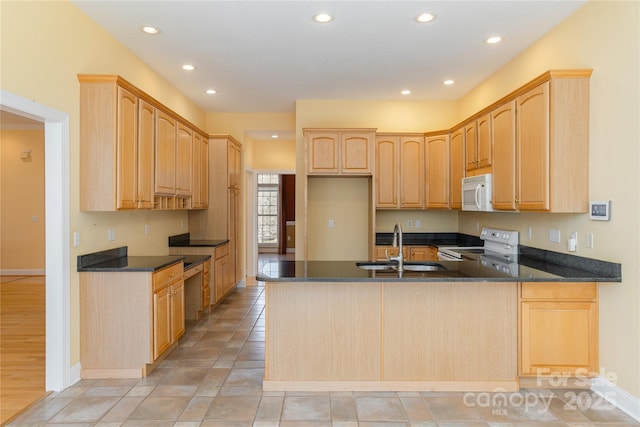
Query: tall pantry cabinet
{"points": [[221, 219]]}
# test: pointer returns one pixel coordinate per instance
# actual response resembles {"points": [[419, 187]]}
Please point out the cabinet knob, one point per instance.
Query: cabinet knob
{"points": [[172, 274]]}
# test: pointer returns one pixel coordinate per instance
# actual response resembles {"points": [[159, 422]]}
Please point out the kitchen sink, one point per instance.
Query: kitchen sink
{"points": [[377, 265], [423, 266], [408, 266]]}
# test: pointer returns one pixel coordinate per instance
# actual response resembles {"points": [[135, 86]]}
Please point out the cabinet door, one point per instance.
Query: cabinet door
{"points": [[356, 153], [184, 146], [504, 166], [127, 149], [204, 172], [196, 172], [438, 171], [419, 253], [533, 148], [233, 165], [177, 310], [146, 139], [456, 168], [470, 146], [218, 279], [484, 147], [161, 322], [558, 338], [323, 153], [386, 176], [165, 183], [411, 172], [382, 251]]}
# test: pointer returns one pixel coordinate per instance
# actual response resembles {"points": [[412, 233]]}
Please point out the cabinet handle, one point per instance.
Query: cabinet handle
{"points": [[172, 274]]}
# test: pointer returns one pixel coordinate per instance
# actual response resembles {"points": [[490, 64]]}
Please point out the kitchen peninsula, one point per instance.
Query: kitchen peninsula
{"points": [[332, 326]]}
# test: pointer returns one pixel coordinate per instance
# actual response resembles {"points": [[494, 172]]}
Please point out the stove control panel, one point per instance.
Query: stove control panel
{"points": [[504, 237]]}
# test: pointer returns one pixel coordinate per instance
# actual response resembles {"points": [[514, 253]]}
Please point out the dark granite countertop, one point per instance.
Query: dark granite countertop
{"points": [[117, 260], [469, 270], [185, 241]]}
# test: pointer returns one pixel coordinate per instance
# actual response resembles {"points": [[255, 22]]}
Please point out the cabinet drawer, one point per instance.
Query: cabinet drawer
{"points": [[565, 291], [222, 251], [167, 275]]}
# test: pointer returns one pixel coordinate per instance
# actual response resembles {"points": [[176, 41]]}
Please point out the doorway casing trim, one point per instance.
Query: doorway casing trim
{"points": [[56, 148]]}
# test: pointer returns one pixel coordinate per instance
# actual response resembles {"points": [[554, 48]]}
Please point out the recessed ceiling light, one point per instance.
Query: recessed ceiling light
{"points": [[323, 18], [211, 91], [425, 17], [406, 92], [274, 136], [448, 82], [150, 30], [493, 40], [188, 67]]}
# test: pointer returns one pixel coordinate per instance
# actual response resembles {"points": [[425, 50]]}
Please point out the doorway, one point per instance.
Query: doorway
{"points": [[275, 217], [22, 264], [58, 371]]}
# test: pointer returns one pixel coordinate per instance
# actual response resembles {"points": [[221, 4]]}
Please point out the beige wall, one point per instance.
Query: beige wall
{"points": [[44, 46], [605, 36], [22, 199], [277, 155]]}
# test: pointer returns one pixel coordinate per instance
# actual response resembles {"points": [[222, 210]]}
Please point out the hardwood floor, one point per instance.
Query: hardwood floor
{"points": [[22, 343]]}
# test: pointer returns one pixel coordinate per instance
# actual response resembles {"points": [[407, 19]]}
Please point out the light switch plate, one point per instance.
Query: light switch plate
{"points": [[554, 235]]}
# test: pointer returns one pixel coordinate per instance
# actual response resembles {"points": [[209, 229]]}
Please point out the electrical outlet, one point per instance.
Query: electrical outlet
{"points": [[76, 239], [146, 229], [330, 223], [554, 235], [529, 233], [111, 234], [409, 223], [418, 223]]}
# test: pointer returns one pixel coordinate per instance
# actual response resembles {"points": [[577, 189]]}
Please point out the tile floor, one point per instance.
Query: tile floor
{"points": [[214, 379]]}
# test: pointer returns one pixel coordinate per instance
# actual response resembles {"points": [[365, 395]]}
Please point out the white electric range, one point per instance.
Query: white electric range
{"points": [[499, 252]]}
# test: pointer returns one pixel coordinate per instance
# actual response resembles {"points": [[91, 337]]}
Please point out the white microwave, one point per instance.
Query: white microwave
{"points": [[476, 193]]}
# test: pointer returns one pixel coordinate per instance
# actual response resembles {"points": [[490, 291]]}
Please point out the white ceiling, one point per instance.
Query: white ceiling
{"points": [[263, 55]]}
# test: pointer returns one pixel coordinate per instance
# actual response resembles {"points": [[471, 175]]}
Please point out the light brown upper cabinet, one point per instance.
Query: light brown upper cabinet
{"points": [[478, 146], [503, 121], [456, 167], [399, 176], [184, 147], [134, 152], [552, 144], [437, 154], [200, 172], [116, 149], [339, 151], [165, 155]]}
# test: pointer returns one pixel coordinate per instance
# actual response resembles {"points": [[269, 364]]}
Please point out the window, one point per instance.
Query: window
{"points": [[268, 189]]}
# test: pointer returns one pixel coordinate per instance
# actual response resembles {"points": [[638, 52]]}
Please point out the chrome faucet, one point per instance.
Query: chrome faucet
{"points": [[397, 243]]}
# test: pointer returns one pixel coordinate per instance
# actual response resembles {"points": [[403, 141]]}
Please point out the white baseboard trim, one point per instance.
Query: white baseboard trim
{"points": [[23, 272], [619, 397], [75, 373]]}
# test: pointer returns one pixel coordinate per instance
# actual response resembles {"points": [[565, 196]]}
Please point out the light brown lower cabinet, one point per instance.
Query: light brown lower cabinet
{"points": [[168, 316], [224, 273], [129, 320], [411, 253], [558, 329]]}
